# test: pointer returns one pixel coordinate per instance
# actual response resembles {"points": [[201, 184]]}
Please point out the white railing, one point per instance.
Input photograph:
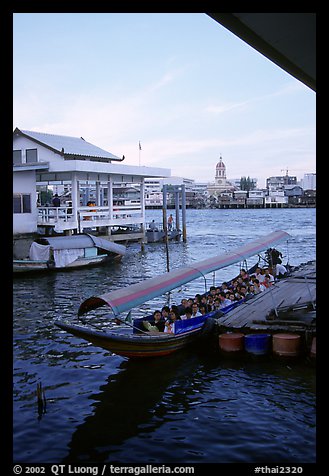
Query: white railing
{"points": [[95, 213], [90, 216], [49, 215]]}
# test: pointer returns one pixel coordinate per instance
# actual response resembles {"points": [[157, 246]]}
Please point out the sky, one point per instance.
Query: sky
{"points": [[180, 84]]}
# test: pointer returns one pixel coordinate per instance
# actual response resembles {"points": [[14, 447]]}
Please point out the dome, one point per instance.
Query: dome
{"points": [[220, 164]]}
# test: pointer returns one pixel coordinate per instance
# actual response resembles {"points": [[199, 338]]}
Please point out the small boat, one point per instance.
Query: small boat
{"points": [[131, 340], [155, 233], [154, 236], [68, 252]]}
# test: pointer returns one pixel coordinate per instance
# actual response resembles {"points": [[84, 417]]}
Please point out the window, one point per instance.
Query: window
{"points": [[17, 157], [31, 155], [22, 203]]}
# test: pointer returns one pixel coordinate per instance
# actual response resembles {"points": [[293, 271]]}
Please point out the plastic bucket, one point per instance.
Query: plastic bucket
{"points": [[286, 344], [257, 344], [231, 342]]}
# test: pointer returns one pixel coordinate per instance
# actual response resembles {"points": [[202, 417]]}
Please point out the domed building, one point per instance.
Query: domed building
{"points": [[221, 185]]}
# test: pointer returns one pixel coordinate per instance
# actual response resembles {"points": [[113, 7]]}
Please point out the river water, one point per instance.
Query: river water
{"points": [[192, 407]]}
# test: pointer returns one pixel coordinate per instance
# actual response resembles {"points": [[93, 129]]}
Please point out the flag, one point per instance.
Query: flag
{"points": [[140, 147]]}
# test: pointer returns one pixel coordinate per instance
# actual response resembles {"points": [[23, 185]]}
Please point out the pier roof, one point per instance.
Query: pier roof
{"points": [[69, 147]]}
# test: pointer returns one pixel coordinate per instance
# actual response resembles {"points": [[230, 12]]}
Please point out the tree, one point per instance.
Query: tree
{"points": [[247, 184]]}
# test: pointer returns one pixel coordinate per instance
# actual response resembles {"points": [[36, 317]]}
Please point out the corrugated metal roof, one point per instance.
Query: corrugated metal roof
{"points": [[70, 145]]}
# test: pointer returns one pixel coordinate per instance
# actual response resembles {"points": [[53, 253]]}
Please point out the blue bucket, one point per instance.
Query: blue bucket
{"points": [[257, 344]]}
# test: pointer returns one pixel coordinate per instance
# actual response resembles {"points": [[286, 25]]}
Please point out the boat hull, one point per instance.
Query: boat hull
{"points": [[128, 344], [28, 266], [25, 266], [154, 236]]}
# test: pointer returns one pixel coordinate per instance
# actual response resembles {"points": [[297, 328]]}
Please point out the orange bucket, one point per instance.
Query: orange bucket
{"points": [[231, 342], [286, 344]]}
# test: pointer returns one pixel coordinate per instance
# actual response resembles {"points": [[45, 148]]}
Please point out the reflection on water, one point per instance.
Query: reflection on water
{"points": [[189, 407], [193, 410]]}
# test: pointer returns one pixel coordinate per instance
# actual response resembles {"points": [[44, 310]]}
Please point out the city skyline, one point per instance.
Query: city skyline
{"points": [[230, 178], [178, 101]]}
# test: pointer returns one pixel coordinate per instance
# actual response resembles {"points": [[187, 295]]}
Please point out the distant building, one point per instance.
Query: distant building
{"points": [[293, 190], [276, 198], [255, 198], [309, 182], [221, 185], [200, 188], [153, 190], [278, 182]]}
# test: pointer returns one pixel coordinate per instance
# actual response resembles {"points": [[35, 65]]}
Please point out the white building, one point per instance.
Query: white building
{"points": [[153, 188], [255, 197], [276, 198], [221, 185], [309, 182], [41, 159]]}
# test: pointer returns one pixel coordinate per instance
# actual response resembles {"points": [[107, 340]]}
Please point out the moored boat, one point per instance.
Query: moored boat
{"points": [[68, 252], [155, 233], [132, 340]]}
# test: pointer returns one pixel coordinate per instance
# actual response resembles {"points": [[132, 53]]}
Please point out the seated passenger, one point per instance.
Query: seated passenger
{"points": [[267, 282], [210, 304], [195, 310], [244, 275], [202, 309], [223, 287], [170, 322], [157, 324], [268, 276], [165, 312], [188, 313], [212, 291], [258, 274], [258, 287], [224, 300]]}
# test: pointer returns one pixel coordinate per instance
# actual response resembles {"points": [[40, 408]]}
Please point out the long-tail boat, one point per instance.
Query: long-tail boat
{"points": [[132, 340]]}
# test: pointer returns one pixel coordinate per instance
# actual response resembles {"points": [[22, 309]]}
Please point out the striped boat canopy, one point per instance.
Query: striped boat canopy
{"points": [[132, 296]]}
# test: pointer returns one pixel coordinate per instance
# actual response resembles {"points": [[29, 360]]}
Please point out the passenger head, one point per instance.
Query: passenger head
{"points": [[203, 309], [165, 311], [195, 308], [157, 315], [173, 315], [188, 312]]}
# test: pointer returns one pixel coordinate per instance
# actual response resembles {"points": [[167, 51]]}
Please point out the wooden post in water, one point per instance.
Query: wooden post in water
{"points": [[164, 221], [177, 211], [142, 201], [184, 213]]}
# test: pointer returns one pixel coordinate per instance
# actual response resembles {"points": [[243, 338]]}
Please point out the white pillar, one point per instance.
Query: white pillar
{"points": [[110, 197], [110, 202], [142, 200], [75, 197]]}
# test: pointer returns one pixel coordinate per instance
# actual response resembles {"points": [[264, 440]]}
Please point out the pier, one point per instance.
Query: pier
{"points": [[287, 306]]}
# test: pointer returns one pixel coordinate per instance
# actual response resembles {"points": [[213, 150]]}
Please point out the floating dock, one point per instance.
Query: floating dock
{"points": [[287, 306]]}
